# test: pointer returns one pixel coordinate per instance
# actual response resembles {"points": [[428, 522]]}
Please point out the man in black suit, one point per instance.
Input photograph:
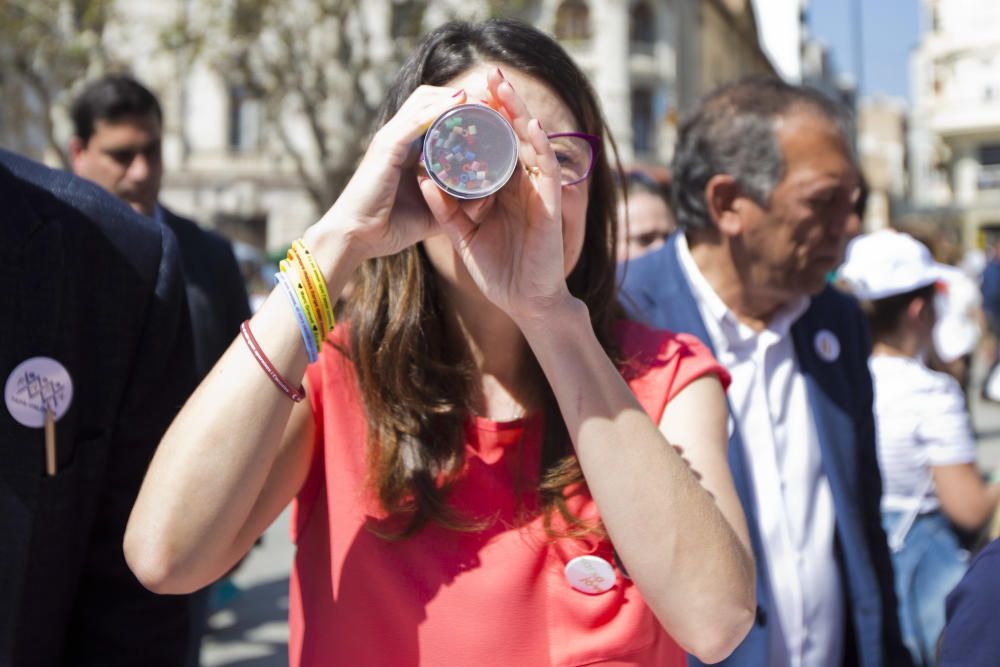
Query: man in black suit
{"points": [[94, 328], [118, 129]]}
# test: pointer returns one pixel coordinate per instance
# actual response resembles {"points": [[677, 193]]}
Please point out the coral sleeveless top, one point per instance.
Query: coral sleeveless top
{"points": [[494, 597]]}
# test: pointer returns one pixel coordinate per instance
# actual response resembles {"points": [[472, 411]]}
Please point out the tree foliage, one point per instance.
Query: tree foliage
{"points": [[317, 68], [526, 10], [46, 48]]}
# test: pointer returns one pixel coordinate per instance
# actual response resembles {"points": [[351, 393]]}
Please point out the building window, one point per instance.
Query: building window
{"points": [[643, 127], [245, 120], [642, 24], [573, 21], [989, 154], [989, 171]]}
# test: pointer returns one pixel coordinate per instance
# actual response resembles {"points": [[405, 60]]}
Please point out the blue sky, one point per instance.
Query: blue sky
{"points": [[890, 29]]}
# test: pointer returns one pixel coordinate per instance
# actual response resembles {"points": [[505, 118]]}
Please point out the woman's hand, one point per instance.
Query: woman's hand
{"points": [[381, 211], [511, 242]]}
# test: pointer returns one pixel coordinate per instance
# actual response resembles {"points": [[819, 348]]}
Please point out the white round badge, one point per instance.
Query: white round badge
{"points": [[36, 384], [827, 345], [590, 574]]}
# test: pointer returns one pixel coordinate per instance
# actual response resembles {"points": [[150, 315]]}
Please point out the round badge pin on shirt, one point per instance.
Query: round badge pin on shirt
{"points": [[590, 574], [827, 345], [35, 386]]}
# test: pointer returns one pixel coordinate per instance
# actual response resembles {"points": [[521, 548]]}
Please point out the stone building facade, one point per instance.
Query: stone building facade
{"points": [[226, 167], [954, 137]]}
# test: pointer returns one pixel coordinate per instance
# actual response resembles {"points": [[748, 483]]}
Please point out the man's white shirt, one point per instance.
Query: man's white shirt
{"points": [[793, 500]]}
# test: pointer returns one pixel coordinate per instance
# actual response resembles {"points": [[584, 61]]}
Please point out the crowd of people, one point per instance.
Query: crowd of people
{"points": [[598, 417]]}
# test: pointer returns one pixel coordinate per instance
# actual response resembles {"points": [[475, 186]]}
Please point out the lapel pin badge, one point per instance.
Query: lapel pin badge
{"points": [[827, 345], [38, 392]]}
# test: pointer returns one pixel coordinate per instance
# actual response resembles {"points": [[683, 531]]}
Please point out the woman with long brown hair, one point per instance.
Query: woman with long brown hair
{"points": [[482, 471]]}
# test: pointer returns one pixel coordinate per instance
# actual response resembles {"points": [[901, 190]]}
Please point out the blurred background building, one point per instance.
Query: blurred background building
{"points": [[954, 138], [881, 144], [269, 103]]}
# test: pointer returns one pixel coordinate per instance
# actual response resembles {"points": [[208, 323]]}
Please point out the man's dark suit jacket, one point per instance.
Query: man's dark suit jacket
{"points": [[216, 294], [840, 395], [97, 287], [218, 303], [970, 637]]}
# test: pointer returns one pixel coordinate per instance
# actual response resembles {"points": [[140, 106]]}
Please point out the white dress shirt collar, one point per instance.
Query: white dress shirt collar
{"points": [[770, 406], [733, 332]]}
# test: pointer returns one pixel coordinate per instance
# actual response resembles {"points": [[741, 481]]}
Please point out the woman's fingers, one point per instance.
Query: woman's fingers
{"points": [[514, 108], [382, 201], [414, 117], [447, 211], [545, 173], [493, 79], [475, 209], [545, 157], [536, 152]]}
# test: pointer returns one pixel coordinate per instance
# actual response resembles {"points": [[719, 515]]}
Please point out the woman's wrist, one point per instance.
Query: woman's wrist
{"points": [[335, 252], [564, 312]]}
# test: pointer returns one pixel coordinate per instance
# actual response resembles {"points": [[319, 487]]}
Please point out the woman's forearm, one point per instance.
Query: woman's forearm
{"points": [[212, 486], [687, 560], [965, 498]]}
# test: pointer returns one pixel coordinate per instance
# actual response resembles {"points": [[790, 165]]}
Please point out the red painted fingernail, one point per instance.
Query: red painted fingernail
{"points": [[539, 123], [459, 92], [500, 73], [484, 101]]}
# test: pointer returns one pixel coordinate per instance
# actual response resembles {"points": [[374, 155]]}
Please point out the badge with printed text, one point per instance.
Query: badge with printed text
{"points": [[590, 574], [36, 385], [827, 345]]}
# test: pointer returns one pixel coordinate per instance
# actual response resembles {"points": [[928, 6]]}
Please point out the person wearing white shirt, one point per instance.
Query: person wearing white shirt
{"points": [[795, 508], [764, 187], [958, 306], [925, 444]]}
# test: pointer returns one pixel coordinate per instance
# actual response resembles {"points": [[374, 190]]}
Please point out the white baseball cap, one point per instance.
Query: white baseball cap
{"points": [[886, 263]]}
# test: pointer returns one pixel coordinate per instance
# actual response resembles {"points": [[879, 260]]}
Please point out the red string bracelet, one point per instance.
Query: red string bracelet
{"points": [[265, 363]]}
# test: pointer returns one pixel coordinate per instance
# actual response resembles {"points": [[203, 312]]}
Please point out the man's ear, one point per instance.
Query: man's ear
{"points": [[724, 196], [76, 149]]}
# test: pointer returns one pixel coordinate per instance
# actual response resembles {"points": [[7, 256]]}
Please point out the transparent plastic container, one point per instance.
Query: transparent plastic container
{"points": [[470, 151]]}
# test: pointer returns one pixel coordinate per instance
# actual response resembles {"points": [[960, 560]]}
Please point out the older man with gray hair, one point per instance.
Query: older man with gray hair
{"points": [[764, 184]]}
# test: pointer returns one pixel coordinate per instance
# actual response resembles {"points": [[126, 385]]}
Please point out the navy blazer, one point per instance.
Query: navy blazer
{"points": [[840, 395], [216, 294], [99, 288], [970, 637]]}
